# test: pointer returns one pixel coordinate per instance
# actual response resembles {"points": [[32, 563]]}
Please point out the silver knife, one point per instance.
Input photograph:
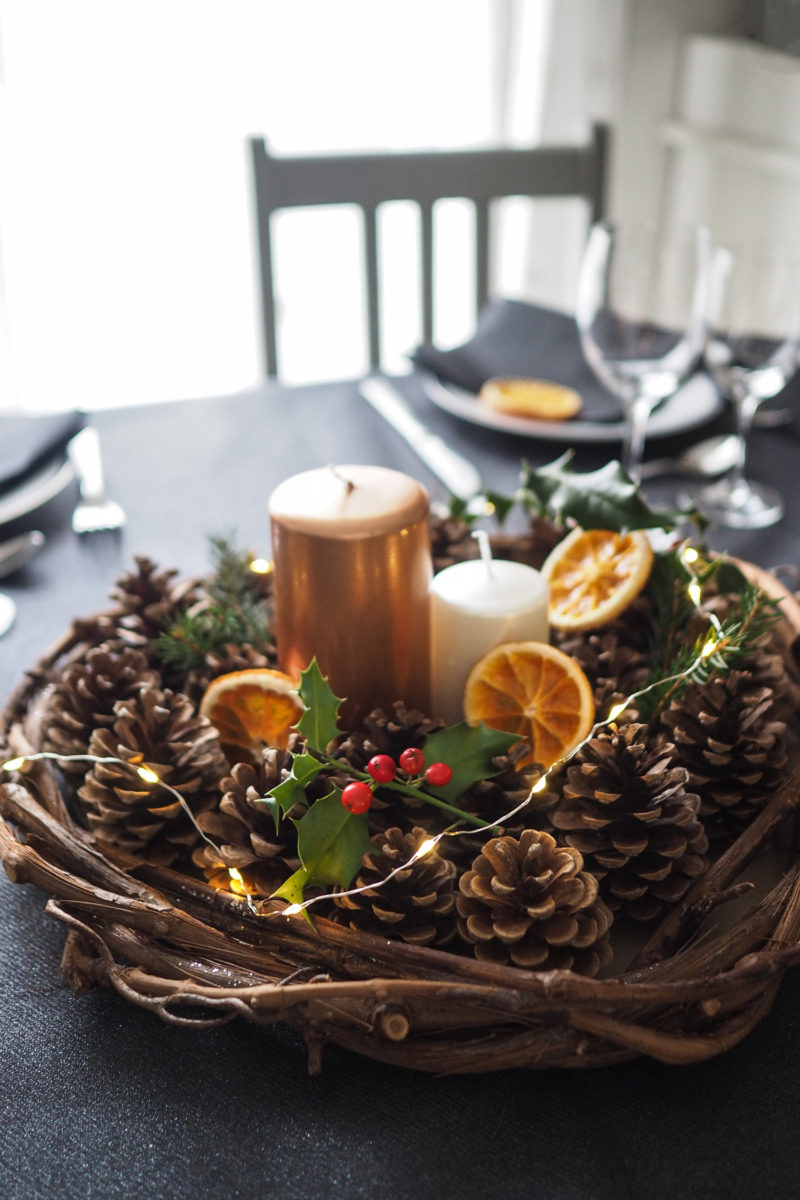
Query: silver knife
{"points": [[455, 472]]}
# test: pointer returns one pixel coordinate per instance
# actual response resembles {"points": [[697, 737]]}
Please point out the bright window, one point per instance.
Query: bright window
{"points": [[129, 261]]}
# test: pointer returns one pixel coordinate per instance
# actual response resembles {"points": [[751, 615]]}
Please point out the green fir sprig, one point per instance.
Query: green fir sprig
{"points": [[733, 642], [234, 611], [673, 607]]}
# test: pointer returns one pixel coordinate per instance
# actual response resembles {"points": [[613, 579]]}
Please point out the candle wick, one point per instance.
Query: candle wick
{"points": [[482, 538], [351, 487]]}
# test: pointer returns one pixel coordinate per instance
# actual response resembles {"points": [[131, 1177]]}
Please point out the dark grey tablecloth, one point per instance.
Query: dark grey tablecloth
{"points": [[27, 442], [100, 1101]]}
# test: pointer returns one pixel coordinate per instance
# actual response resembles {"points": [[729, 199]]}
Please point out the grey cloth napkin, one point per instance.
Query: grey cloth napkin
{"points": [[516, 339], [26, 443]]}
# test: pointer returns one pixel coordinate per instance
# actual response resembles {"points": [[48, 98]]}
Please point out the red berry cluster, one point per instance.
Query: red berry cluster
{"points": [[357, 796]]}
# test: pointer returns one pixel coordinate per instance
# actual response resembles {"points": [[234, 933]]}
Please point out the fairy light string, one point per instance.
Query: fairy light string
{"points": [[715, 641], [145, 773], [148, 776]]}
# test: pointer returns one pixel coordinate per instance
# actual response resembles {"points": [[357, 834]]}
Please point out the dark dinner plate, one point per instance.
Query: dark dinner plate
{"points": [[36, 489]]}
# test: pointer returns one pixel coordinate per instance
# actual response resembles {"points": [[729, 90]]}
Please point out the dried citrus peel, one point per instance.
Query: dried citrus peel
{"points": [[536, 691], [538, 399], [594, 574], [253, 708]]}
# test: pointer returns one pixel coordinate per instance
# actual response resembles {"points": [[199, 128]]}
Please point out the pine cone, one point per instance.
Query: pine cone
{"points": [[388, 733], [528, 901], [417, 904], [507, 787], [531, 547], [384, 733], [160, 730], [243, 828], [451, 541], [494, 798], [615, 668], [83, 699], [98, 630], [625, 807], [732, 745], [768, 664], [150, 600]]}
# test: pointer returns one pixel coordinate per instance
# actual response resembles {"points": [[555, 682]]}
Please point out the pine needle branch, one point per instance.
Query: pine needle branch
{"points": [[232, 582], [234, 612], [718, 649]]}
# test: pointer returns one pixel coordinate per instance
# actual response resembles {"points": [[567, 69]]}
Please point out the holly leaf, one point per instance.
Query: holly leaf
{"points": [[292, 890], [291, 790], [603, 499], [332, 841], [468, 750], [538, 485], [499, 506], [458, 509], [469, 510], [318, 723]]}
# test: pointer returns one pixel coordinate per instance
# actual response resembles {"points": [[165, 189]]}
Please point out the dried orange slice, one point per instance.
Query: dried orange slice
{"points": [[594, 574], [536, 398], [252, 708], [534, 690]]}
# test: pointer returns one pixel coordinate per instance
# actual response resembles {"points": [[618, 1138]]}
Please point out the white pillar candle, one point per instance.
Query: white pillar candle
{"points": [[476, 606]]}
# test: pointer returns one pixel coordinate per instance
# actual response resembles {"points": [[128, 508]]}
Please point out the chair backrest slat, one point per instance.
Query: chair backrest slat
{"points": [[369, 180], [597, 181], [426, 269], [370, 217], [482, 253], [268, 307]]}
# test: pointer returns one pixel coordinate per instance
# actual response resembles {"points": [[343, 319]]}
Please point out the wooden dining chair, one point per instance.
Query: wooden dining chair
{"points": [[370, 180]]}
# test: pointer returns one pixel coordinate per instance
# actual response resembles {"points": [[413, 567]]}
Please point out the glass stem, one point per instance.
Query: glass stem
{"points": [[638, 413], [745, 406]]}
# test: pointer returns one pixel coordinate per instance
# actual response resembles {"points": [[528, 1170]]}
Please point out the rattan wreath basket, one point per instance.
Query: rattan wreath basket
{"points": [[200, 957]]}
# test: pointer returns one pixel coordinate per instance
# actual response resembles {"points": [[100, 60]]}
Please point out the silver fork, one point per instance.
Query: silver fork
{"points": [[94, 512]]}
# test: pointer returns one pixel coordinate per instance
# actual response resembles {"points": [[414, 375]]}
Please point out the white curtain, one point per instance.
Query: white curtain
{"points": [[7, 381], [563, 75]]}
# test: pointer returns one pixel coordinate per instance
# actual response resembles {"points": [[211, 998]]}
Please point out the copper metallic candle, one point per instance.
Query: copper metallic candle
{"points": [[351, 550]]}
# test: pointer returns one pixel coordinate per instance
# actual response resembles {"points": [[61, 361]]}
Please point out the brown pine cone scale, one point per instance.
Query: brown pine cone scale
{"points": [[84, 698], [731, 742], [528, 902], [160, 730], [416, 904], [626, 808], [243, 829]]}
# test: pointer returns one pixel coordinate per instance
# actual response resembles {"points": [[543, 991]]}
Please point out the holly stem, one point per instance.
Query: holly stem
{"points": [[408, 790]]}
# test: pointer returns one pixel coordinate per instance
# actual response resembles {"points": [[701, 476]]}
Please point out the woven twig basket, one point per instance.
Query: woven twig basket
{"points": [[199, 957]]}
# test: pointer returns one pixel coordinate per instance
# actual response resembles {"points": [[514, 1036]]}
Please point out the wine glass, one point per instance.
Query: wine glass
{"points": [[753, 349], [641, 311]]}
